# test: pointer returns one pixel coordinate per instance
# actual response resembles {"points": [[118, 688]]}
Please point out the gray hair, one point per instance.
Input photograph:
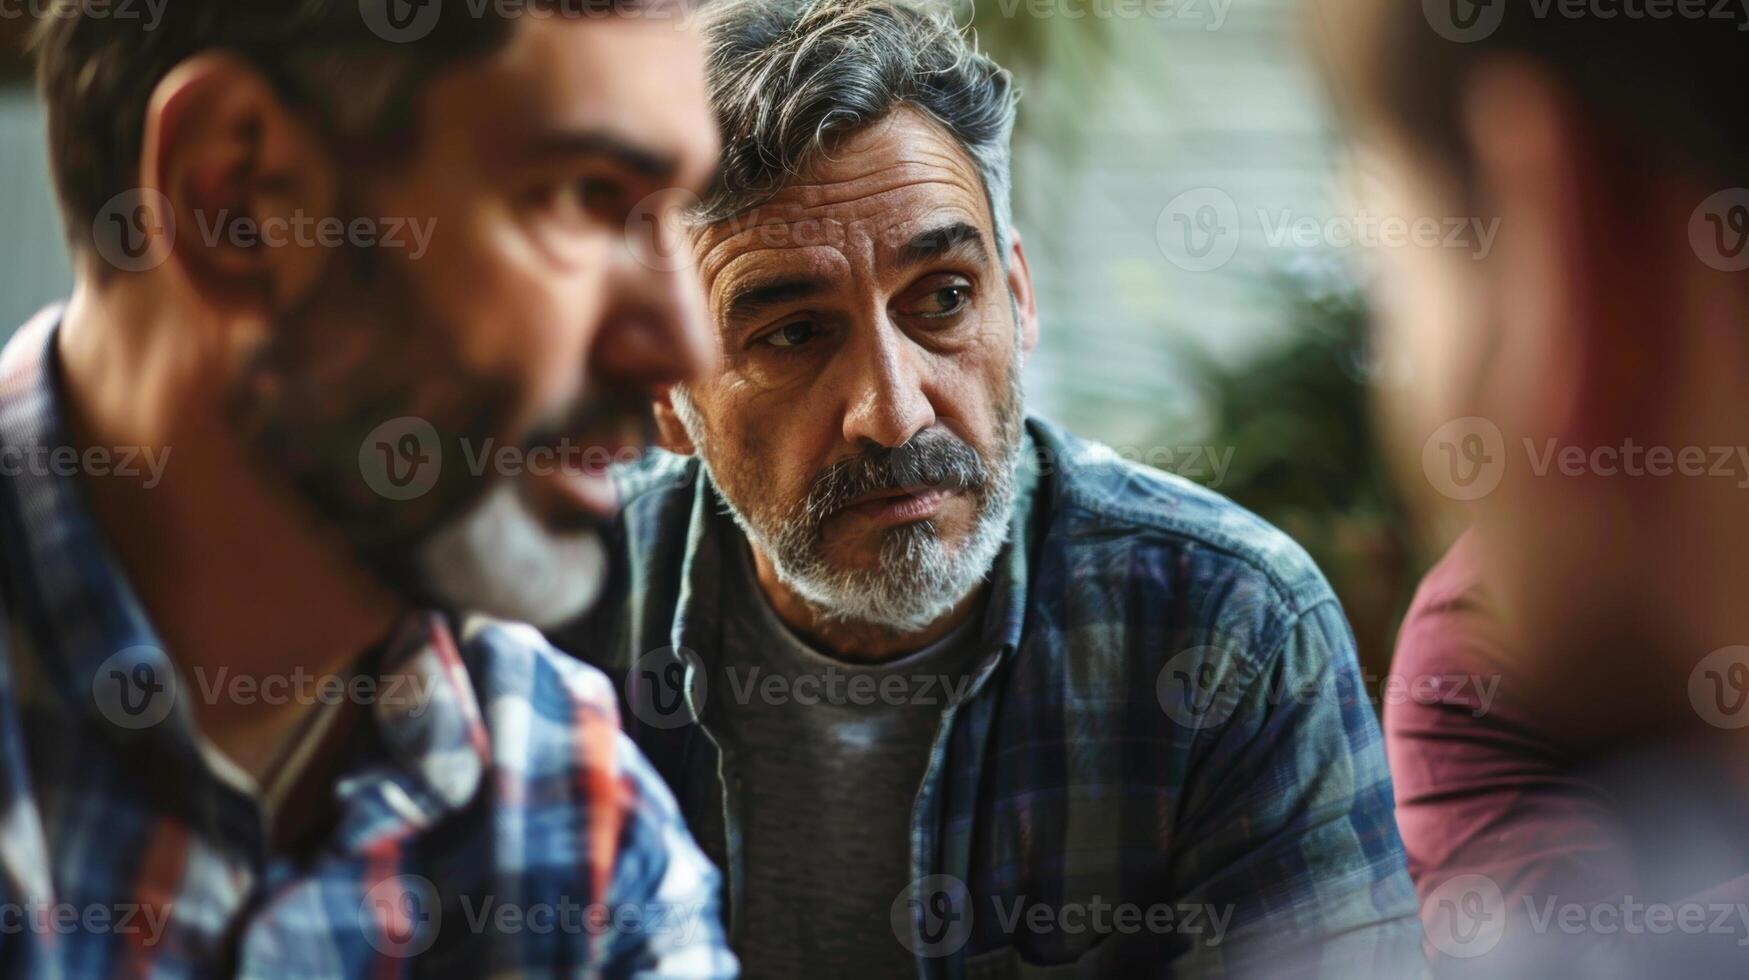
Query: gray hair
{"points": [[789, 78]]}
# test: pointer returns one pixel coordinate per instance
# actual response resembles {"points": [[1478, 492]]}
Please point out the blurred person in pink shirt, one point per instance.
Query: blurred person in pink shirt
{"points": [[1576, 394]]}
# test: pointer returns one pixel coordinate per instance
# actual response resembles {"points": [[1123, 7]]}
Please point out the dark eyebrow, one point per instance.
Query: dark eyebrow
{"points": [[937, 242], [638, 159], [749, 300]]}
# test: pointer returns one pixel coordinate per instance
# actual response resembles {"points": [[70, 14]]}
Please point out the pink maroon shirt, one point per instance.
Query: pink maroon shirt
{"points": [[1497, 815]]}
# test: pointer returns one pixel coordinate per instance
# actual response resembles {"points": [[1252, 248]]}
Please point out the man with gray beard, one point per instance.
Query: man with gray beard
{"points": [[945, 690]]}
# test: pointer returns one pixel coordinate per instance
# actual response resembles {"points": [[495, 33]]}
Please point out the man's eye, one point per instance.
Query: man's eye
{"points": [[792, 334], [592, 197], [944, 301]]}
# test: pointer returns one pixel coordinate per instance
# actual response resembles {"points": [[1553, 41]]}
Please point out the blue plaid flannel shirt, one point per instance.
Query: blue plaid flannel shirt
{"points": [[1165, 764], [500, 825]]}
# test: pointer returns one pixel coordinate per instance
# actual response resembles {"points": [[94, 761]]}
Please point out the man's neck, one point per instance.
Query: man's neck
{"points": [[237, 578], [849, 641]]}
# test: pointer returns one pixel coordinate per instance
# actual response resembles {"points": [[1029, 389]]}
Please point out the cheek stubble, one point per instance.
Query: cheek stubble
{"points": [[359, 350]]}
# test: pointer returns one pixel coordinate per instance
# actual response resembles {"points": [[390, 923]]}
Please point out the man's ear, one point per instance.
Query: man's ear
{"points": [[1585, 243], [241, 173], [669, 430], [1020, 287]]}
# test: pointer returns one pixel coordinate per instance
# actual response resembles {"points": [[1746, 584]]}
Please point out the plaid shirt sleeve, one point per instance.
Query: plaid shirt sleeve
{"points": [[1299, 852], [665, 893], [658, 910]]}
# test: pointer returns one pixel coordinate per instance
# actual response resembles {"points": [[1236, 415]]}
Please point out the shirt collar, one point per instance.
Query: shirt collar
{"points": [[106, 662]]}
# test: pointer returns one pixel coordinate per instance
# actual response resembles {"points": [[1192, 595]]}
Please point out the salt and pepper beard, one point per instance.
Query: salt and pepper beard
{"points": [[917, 578]]}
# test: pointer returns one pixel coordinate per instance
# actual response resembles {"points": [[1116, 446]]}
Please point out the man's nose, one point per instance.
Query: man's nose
{"points": [[658, 329], [887, 405]]}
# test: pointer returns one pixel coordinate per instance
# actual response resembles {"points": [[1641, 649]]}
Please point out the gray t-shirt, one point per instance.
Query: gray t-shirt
{"points": [[830, 755]]}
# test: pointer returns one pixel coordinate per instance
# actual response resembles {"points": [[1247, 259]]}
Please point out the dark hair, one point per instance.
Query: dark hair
{"points": [[1668, 89], [346, 65]]}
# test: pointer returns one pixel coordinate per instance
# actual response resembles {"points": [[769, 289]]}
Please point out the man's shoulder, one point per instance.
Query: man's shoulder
{"points": [[547, 713], [513, 663], [658, 495], [558, 753], [656, 474], [1149, 518]]}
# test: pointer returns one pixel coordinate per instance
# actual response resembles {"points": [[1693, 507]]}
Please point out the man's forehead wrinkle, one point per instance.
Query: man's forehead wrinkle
{"points": [[745, 268], [744, 245], [929, 180], [757, 227], [816, 194], [857, 217]]}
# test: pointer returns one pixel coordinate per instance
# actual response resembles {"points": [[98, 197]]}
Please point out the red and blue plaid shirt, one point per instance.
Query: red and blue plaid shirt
{"points": [[499, 824], [1166, 763]]}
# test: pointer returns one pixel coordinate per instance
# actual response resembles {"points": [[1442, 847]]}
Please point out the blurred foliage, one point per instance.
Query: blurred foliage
{"points": [[1307, 455], [1059, 63]]}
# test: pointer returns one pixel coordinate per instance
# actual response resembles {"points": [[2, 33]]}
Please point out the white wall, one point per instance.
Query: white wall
{"points": [[1234, 109], [33, 258]]}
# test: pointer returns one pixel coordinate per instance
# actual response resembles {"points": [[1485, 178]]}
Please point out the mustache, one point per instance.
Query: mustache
{"points": [[934, 458]]}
